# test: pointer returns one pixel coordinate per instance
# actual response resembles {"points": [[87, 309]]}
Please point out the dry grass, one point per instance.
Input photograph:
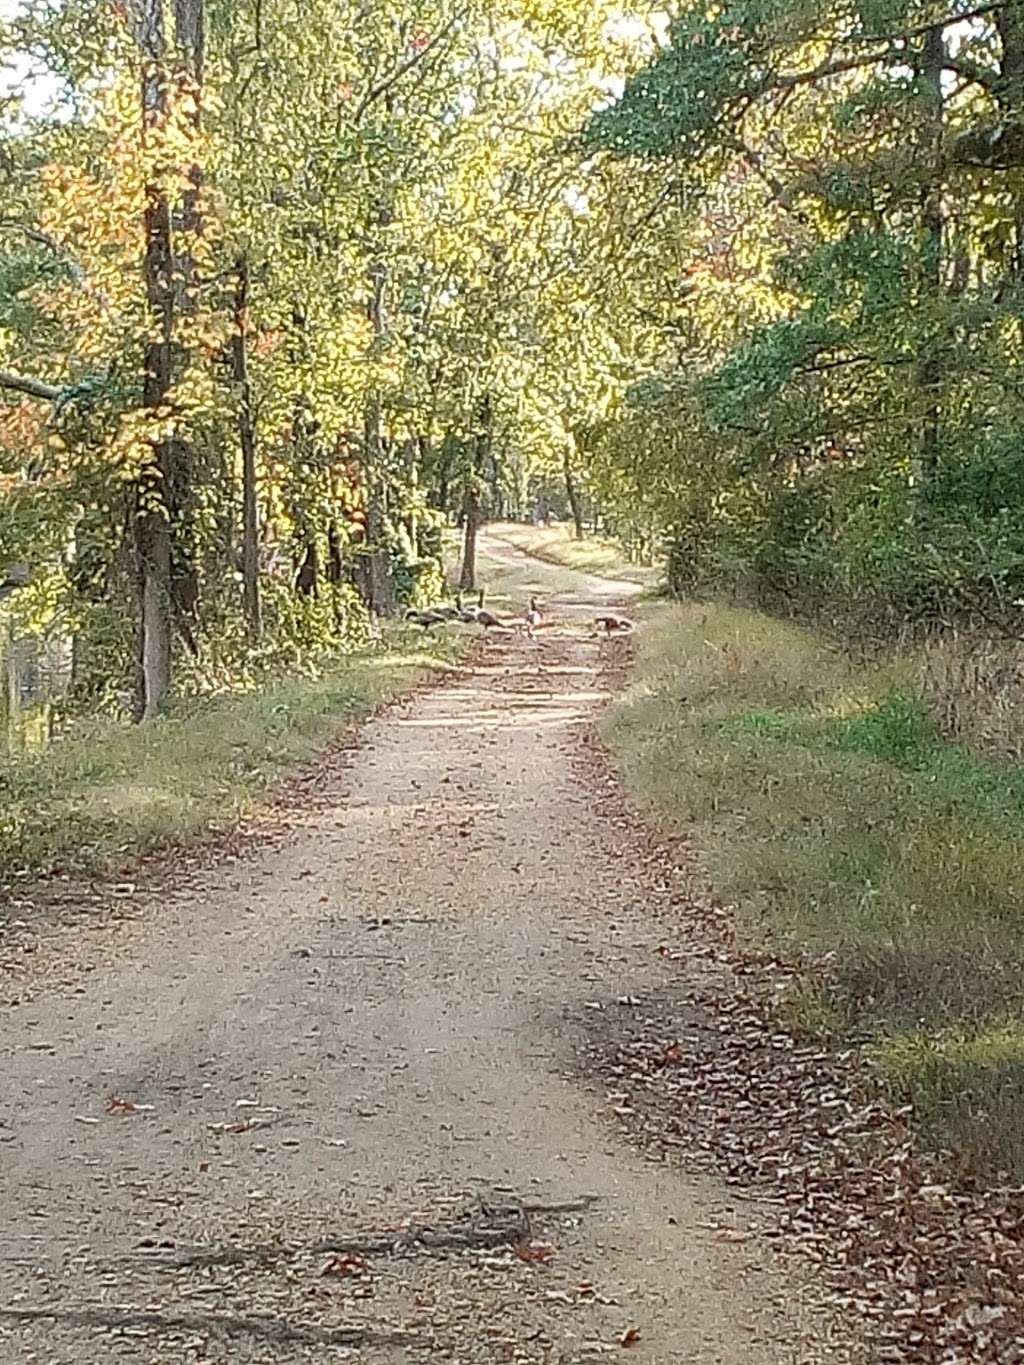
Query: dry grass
{"points": [[975, 686], [841, 821], [92, 802]]}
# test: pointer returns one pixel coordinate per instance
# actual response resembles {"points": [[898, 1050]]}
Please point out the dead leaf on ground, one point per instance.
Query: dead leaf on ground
{"points": [[630, 1336], [931, 1262], [344, 1266], [536, 1252], [117, 1104]]}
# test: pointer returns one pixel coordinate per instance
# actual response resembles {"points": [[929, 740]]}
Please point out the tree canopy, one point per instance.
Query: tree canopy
{"points": [[840, 429], [286, 289]]}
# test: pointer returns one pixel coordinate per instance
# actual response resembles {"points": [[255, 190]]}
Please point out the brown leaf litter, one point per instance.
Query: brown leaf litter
{"points": [[926, 1264]]}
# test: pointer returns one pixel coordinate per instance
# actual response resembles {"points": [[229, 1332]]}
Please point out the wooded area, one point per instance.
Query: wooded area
{"points": [[839, 431], [284, 290], [284, 293]]}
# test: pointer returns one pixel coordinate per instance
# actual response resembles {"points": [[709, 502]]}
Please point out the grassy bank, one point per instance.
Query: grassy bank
{"points": [[839, 821], [90, 803], [556, 545]]}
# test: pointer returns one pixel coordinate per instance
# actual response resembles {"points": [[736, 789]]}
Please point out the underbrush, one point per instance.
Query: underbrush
{"points": [[841, 821], [114, 791]]}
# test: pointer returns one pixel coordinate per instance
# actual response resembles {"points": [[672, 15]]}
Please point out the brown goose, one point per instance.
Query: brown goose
{"points": [[426, 619], [614, 625]]}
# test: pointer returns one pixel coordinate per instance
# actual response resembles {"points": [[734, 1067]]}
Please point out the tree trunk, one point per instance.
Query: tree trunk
{"points": [[247, 441], [335, 558], [471, 525], [190, 39], [381, 588], [410, 455], [1009, 94], [573, 494], [471, 509], [156, 619], [308, 571], [153, 530], [929, 374], [8, 699], [494, 479], [422, 460], [444, 475], [186, 228], [190, 54]]}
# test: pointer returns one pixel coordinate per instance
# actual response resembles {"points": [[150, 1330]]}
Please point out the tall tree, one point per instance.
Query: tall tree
{"points": [[158, 475]]}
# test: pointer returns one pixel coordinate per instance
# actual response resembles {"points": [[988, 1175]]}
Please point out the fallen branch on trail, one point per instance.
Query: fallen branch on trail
{"points": [[265, 1327], [510, 1228]]}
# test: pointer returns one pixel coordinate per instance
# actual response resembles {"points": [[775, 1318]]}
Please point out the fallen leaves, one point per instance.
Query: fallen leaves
{"points": [[630, 1337], [538, 1253], [117, 1104], [925, 1268], [925, 1265], [344, 1266]]}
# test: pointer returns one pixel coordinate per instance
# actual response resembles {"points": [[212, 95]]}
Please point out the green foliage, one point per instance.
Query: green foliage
{"points": [[897, 730], [419, 582], [671, 107], [387, 192], [838, 427]]}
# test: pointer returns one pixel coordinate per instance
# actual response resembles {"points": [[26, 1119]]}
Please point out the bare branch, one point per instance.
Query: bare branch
{"points": [[774, 185], [822, 72], [33, 235], [34, 388], [987, 77], [58, 249], [996, 148], [880, 54], [387, 83], [940, 21]]}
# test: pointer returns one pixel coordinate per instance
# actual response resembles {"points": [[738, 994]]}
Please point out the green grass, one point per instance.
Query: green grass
{"points": [[556, 544], [838, 819], [898, 730], [93, 802]]}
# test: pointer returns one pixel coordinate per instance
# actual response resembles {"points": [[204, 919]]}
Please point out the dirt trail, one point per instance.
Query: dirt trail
{"points": [[372, 1026]]}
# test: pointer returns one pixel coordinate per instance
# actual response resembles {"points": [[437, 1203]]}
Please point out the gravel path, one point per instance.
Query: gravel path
{"points": [[346, 1119]]}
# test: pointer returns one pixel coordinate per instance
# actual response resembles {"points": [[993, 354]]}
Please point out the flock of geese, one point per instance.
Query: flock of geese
{"points": [[528, 623]]}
